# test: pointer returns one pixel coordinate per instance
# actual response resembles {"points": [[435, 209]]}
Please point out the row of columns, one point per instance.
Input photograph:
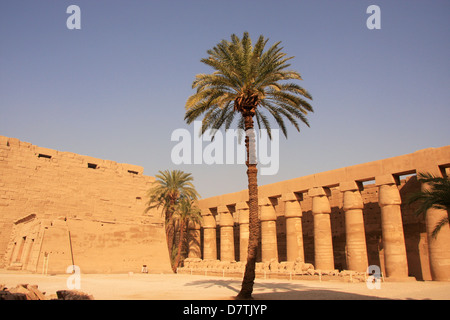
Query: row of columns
{"points": [[393, 239]]}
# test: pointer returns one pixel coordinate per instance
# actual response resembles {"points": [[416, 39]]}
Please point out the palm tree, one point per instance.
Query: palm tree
{"points": [[166, 192], [436, 196], [246, 83], [185, 213]]}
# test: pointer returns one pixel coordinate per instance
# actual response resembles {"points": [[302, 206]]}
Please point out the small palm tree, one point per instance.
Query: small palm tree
{"points": [[247, 83], [185, 213], [437, 196], [166, 192]]}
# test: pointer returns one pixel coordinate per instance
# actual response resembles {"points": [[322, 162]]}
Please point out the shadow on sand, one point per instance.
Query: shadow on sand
{"points": [[283, 291]]}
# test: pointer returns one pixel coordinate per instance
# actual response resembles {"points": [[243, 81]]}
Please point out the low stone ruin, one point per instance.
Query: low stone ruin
{"points": [[270, 269], [31, 292]]}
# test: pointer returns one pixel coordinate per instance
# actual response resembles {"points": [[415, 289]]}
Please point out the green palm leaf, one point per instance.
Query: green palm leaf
{"points": [[437, 196], [245, 73]]}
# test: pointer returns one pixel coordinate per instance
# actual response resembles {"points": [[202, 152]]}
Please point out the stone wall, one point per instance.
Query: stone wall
{"points": [[75, 209]]}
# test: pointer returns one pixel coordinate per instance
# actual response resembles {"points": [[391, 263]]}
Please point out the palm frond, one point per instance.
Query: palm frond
{"points": [[168, 188], [437, 194], [439, 226], [246, 73]]}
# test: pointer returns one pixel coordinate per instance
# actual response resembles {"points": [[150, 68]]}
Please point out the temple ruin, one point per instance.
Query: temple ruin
{"points": [[341, 220], [59, 209]]}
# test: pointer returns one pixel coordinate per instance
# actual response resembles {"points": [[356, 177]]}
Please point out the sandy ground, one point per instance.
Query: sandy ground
{"points": [[191, 287]]}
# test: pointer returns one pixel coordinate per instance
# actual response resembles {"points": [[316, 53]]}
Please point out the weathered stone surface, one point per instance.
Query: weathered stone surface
{"points": [[22, 292], [66, 208]]}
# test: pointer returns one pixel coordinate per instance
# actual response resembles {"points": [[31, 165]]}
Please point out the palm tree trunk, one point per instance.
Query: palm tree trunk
{"points": [[180, 245], [170, 230], [254, 231]]}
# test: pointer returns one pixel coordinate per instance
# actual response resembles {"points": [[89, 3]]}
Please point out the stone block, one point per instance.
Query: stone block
{"points": [[289, 196], [6, 295], [349, 186], [25, 292], [292, 209], [222, 209], [352, 200], [226, 220], [244, 216], [267, 211], [389, 195], [242, 206], [385, 179], [315, 192]]}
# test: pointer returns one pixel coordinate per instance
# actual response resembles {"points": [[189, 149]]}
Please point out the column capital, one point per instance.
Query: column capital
{"points": [[290, 196], [317, 192], [225, 217], [244, 217], [226, 220], [243, 212], [265, 201], [320, 203], [267, 210], [242, 206], [349, 186], [222, 209], [385, 179], [388, 194], [434, 170], [292, 209], [352, 200], [208, 222]]}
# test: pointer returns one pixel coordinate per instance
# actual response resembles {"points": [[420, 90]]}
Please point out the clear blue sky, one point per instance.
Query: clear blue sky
{"points": [[116, 89]]}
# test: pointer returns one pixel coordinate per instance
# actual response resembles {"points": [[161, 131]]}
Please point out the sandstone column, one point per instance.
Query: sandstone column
{"points": [[209, 237], [269, 248], [354, 227], [323, 241], [439, 246], [396, 264], [243, 211], [294, 232], [194, 240], [226, 234]]}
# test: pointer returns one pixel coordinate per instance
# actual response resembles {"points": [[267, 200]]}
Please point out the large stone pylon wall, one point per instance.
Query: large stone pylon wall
{"points": [[345, 219], [60, 208]]}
